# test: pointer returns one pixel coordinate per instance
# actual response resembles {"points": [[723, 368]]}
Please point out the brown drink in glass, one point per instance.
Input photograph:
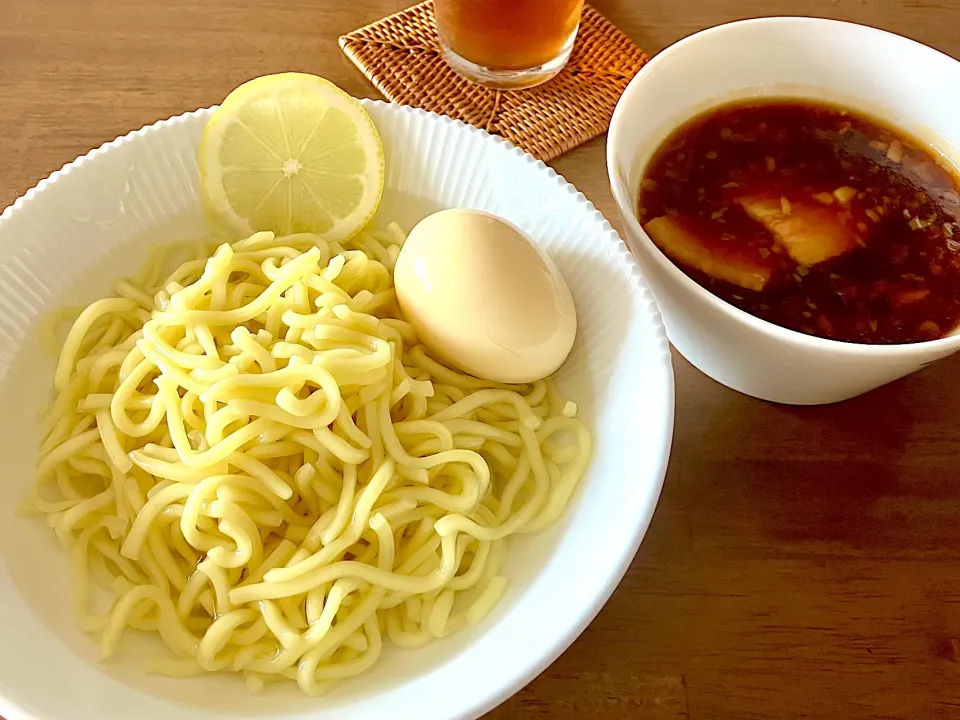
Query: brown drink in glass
{"points": [[507, 44]]}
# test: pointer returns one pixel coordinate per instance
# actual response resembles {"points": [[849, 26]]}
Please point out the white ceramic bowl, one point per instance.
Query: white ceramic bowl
{"points": [[93, 220], [908, 84]]}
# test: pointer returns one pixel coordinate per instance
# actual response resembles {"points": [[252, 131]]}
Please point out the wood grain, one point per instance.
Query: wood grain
{"points": [[803, 563]]}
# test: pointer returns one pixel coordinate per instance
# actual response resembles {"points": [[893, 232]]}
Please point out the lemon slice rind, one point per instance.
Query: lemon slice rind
{"points": [[295, 90]]}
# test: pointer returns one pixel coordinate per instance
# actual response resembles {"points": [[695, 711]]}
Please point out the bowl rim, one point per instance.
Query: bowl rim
{"points": [[632, 96], [497, 689]]}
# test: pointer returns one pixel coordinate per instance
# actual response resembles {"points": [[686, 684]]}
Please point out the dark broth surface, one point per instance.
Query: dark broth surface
{"points": [[811, 217]]}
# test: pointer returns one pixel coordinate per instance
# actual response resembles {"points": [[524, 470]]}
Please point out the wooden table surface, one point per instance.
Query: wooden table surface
{"points": [[801, 563]]}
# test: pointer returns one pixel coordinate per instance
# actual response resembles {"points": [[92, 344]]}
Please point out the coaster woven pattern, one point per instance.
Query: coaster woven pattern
{"points": [[400, 55]]}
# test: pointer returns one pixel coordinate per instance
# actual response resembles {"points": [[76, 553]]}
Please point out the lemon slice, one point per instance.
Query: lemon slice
{"points": [[291, 153]]}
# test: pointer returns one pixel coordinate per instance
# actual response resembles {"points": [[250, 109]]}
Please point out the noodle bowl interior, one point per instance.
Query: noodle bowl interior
{"points": [[259, 464]]}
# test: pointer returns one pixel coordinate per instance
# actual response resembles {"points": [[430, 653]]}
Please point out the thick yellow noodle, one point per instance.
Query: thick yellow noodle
{"points": [[255, 460]]}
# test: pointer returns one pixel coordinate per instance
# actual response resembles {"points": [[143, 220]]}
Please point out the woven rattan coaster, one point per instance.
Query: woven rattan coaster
{"points": [[400, 55]]}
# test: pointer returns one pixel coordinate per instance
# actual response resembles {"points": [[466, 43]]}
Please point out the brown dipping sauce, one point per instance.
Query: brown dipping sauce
{"points": [[811, 217]]}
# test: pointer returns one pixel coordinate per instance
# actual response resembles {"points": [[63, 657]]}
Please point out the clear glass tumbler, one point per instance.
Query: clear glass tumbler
{"points": [[507, 44]]}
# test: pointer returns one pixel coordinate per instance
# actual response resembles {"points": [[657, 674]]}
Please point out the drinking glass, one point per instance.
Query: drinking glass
{"points": [[507, 44]]}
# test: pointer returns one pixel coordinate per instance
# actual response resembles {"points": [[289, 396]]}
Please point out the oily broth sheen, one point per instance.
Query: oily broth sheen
{"points": [[812, 217]]}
